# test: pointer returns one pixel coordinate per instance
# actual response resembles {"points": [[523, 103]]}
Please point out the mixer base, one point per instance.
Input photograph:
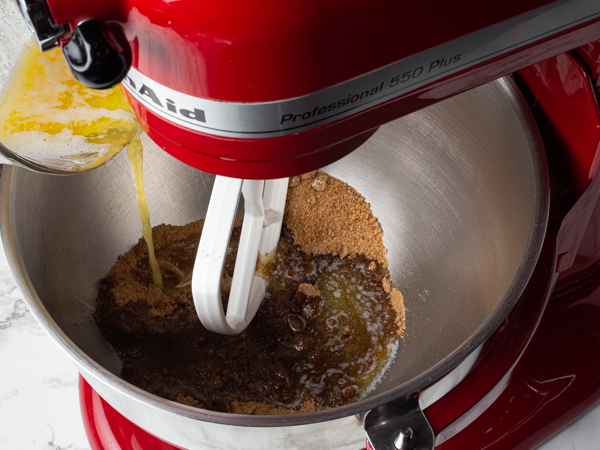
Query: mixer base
{"points": [[556, 381]]}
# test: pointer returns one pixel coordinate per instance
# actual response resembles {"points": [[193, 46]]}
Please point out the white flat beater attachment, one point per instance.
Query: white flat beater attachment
{"points": [[261, 229]]}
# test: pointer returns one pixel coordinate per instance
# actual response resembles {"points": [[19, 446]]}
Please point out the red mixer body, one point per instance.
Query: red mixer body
{"points": [[265, 89]]}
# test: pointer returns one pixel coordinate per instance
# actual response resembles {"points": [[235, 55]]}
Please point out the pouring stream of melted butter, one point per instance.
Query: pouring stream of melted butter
{"points": [[48, 117], [135, 152]]}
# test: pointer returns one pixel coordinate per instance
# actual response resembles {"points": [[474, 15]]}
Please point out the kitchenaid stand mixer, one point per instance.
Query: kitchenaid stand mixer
{"points": [[310, 110]]}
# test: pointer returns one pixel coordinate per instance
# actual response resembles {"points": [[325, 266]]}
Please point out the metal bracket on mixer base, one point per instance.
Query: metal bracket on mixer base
{"points": [[399, 425]]}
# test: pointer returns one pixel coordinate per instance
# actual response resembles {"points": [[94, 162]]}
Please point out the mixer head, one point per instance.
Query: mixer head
{"points": [[267, 89]]}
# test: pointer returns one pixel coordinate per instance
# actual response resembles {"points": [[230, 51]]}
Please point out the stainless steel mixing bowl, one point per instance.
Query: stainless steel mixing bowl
{"points": [[461, 192]]}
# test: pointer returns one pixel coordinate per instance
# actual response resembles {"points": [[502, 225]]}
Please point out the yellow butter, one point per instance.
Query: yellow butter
{"points": [[50, 118]]}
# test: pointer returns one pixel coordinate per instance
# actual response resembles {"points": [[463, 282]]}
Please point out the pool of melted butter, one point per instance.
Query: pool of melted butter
{"points": [[328, 349]]}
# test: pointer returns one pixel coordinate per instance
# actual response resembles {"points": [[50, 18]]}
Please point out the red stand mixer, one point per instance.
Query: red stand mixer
{"points": [[262, 90]]}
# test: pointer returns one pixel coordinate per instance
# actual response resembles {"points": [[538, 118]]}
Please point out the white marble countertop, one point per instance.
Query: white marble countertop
{"points": [[39, 405]]}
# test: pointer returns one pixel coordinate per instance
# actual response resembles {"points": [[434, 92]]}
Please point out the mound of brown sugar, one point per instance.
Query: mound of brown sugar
{"points": [[326, 216]]}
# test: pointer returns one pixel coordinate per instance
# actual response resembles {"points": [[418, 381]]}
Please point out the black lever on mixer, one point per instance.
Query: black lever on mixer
{"points": [[95, 63]]}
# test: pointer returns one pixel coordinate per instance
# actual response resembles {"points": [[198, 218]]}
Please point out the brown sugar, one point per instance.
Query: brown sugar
{"points": [[327, 216], [265, 409], [387, 285], [320, 182], [124, 283], [309, 290], [301, 338], [397, 301], [293, 336], [188, 400]]}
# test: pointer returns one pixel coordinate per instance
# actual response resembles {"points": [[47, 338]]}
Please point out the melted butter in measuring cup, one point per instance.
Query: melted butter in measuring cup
{"points": [[50, 118]]}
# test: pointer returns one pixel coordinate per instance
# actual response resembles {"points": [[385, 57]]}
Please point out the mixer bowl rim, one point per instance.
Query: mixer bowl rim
{"points": [[533, 249]]}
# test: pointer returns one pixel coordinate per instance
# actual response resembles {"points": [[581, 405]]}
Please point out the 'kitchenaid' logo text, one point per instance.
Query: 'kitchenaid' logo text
{"points": [[146, 95]]}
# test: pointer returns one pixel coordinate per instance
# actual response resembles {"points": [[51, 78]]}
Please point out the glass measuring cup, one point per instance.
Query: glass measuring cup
{"points": [[48, 121]]}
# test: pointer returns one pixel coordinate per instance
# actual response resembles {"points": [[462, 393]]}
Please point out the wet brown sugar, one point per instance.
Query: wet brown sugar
{"points": [[299, 353], [327, 216]]}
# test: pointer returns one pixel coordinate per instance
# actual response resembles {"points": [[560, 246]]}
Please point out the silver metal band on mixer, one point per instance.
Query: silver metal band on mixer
{"points": [[289, 116]]}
